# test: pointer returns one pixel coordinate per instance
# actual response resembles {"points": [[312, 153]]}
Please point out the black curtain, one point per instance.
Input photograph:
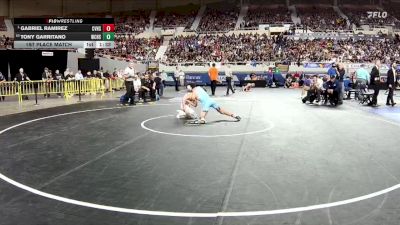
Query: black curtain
{"points": [[4, 63], [34, 62]]}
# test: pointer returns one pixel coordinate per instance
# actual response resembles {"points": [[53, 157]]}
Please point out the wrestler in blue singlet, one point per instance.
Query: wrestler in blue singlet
{"points": [[206, 101]]}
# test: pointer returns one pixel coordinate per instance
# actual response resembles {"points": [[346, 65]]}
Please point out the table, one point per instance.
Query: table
{"points": [[258, 83]]}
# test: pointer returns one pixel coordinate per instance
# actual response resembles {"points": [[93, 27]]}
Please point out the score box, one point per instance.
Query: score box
{"points": [[108, 36], [108, 27]]}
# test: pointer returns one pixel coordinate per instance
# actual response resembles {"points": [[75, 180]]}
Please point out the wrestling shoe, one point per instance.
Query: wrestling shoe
{"points": [[238, 118], [197, 122]]}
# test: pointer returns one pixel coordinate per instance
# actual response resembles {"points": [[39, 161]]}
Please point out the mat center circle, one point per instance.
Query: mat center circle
{"points": [[169, 125]]}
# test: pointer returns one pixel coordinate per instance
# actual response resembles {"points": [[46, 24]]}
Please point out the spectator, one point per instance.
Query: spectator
{"points": [[148, 86], [332, 91], [58, 77], [2, 81], [21, 76], [78, 75], [159, 85]]}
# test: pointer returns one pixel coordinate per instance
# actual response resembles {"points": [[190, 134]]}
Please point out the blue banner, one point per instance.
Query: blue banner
{"points": [[203, 78], [317, 65]]}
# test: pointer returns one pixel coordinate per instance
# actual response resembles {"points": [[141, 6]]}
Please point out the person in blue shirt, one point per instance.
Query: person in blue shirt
{"points": [[362, 77], [332, 91], [332, 70]]}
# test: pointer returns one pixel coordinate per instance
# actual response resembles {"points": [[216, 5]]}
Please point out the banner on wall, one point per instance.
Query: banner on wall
{"points": [[383, 70], [316, 65], [203, 79]]}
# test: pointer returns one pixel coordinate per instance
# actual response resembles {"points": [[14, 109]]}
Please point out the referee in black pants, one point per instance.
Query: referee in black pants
{"points": [[228, 77], [374, 83], [130, 91]]}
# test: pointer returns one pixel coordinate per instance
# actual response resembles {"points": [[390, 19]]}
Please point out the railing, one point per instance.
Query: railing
{"points": [[208, 63], [67, 88], [215, 31]]}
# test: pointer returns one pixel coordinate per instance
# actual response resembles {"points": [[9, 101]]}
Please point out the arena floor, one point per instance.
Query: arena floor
{"points": [[284, 163]]}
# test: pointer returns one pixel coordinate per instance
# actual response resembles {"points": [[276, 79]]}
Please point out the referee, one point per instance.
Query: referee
{"points": [[228, 77], [129, 74]]}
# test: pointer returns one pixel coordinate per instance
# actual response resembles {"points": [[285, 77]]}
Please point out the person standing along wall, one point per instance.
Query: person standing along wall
{"points": [[2, 80], [22, 76], [164, 77], [391, 83], [228, 77], [374, 81], [159, 85], [182, 77], [213, 74], [176, 79], [129, 74], [340, 77]]}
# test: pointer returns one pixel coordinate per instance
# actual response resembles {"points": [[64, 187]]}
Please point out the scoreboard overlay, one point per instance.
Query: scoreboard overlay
{"points": [[38, 33]]}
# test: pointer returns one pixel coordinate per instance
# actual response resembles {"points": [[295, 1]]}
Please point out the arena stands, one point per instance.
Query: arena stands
{"points": [[233, 48], [134, 24], [6, 42], [3, 26], [246, 47], [321, 19], [312, 2], [219, 18], [359, 16], [128, 47], [344, 50], [176, 18], [266, 15], [393, 11]]}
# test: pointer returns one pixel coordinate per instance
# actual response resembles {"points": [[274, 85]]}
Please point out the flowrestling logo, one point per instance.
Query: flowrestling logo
{"points": [[378, 14]]}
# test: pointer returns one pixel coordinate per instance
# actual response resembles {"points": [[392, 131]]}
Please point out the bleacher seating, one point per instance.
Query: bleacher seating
{"points": [[248, 47], [358, 16], [6, 42], [257, 15], [134, 24], [176, 18], [221, 18], [320, 19], [130, 48], [3, 26]]}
